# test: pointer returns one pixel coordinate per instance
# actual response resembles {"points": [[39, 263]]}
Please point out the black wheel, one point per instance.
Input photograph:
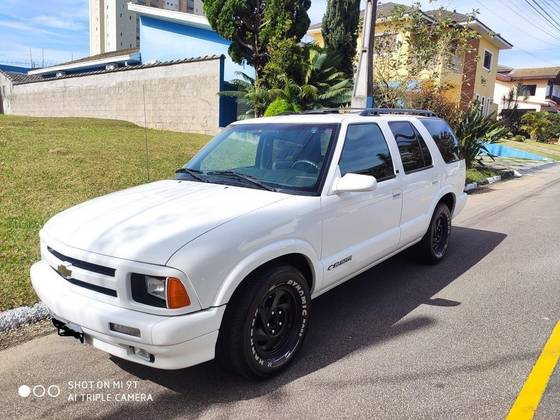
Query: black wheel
{"points": [[433, 246], [265, 323]]}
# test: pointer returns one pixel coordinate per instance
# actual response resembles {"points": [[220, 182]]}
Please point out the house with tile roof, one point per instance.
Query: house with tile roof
{"points": [[538, 88], [473, 77]]}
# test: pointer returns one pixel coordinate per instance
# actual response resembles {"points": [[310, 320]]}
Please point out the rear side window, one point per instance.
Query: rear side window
{"points": [[445, 139], [366, 152], [412, 147]]}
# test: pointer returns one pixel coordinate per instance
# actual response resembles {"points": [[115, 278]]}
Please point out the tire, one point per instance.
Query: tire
{"points": [[432, 249], [265, 323]]}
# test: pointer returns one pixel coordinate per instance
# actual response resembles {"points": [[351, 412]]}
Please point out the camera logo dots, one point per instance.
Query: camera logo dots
{"points": [[39, 391], [24, 391]]}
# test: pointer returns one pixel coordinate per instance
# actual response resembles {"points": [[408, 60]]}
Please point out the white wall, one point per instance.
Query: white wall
{"points": [[179, 97]]}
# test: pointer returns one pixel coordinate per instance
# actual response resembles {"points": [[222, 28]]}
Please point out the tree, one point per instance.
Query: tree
{"points": [[340, 32], [542, 126], [510, 108], [254, 26], [416, 49], [254, 99], [316, 84]]}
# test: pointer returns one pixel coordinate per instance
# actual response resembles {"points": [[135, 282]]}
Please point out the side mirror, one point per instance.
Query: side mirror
{"points": [[355, 183]]}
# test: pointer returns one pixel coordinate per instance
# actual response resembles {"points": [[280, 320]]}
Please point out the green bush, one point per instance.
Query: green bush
{"points": [[518, 138], [476, 130], [542, 126], [278, 107]]}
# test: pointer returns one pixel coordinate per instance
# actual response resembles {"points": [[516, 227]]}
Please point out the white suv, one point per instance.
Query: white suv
{"points": [[224, 260]]}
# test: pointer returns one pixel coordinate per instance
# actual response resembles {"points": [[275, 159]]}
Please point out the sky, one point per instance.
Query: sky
{"points": [[58, 29]]}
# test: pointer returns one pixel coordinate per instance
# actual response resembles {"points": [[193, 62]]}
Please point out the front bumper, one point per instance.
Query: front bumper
{"points": [[175, 341]]}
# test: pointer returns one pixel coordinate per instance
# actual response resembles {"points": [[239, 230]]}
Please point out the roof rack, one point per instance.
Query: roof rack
{"points": [[368, 112], [398, 111]]}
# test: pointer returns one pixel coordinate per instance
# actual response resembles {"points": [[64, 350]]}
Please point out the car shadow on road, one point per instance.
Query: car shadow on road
{"points": [[362, 312]]}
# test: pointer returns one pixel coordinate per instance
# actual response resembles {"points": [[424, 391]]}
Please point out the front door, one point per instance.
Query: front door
{"points": [[359, 228]]}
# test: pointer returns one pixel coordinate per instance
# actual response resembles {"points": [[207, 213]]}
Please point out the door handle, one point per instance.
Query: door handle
{"points": [[435, 181], [396, 194]]}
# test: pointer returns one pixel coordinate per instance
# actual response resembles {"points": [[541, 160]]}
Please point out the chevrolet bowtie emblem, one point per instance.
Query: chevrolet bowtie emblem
{"points": [[64, 270]]}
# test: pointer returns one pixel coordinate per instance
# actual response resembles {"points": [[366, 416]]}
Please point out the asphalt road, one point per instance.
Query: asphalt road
{"points": [[456, 341]]}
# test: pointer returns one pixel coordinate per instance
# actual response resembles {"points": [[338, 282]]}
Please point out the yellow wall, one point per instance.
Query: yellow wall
{"points": [[484, 79]]}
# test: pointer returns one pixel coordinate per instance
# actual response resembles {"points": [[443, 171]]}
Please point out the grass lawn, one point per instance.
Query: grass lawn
{"points": [[551, 151], [49, 164], [479, 174]]}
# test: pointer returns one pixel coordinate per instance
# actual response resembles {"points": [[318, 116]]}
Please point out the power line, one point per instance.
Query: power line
{"points": [[514, 9], [509, 23], [553, 7], [538, 9], [501, 17]]}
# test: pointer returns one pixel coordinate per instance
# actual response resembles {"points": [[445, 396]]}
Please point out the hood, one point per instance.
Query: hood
{"points": [[150, 222]]}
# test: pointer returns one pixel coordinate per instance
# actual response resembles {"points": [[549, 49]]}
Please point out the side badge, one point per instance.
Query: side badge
{"points": [[339, 263]]}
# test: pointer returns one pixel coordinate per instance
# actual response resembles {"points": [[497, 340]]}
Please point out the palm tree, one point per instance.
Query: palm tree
{"points": [[318, 85], [254, 98]]}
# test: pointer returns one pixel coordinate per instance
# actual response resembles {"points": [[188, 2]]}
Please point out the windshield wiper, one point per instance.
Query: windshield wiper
{"points": [[247, 178], [192, 172]]}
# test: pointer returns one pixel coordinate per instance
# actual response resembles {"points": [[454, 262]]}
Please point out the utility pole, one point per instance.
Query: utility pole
{"points": [[363, 83]]}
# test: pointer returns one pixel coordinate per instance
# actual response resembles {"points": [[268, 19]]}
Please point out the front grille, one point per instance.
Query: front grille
{"points": [[99, 269], [89, 286]]}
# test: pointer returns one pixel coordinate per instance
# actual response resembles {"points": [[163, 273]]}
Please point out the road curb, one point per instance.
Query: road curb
{"points": [[508, 174], [24, 315]]}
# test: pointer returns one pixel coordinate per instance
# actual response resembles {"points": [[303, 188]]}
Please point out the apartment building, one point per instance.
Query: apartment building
{"points": [[113, 27]]}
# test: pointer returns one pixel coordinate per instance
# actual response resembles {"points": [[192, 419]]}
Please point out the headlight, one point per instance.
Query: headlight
{"points": [[155, 286], [163, 292]]}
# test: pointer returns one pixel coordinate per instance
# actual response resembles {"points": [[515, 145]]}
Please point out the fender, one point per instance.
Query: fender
{"points": [[261, 257], [446, 189]]}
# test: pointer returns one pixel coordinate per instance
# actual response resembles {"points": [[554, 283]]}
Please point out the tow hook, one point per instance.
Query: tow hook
{"points": [[65, 331]]}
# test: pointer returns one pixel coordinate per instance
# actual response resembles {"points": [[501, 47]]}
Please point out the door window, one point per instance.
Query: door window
{"points": [[366, 152], [445, 139], [412, 147]]}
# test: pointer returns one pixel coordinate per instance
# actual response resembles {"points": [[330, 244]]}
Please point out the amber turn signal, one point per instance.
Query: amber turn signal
{"points": [[177, 296]]}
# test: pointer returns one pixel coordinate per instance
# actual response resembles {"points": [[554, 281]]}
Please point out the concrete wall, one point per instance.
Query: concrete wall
{"points": [[179, 97]]}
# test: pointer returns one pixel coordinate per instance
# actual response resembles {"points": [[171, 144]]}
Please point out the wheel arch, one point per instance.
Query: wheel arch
{"points": [[449, 200], [301, 256]]}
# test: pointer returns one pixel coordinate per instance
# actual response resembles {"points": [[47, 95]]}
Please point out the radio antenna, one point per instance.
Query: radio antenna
{"points": [[146, 134]]}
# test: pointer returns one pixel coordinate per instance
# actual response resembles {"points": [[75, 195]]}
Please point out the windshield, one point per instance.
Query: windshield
{"points": [[277, 156]]}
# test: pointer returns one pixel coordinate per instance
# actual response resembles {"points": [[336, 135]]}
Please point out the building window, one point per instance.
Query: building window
{"points": [[528, 90], [487, 60]]}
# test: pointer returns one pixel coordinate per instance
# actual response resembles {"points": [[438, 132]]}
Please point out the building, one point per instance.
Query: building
{"points": [[106, 61], [113, 27], [538, 89], [13, 69], [473, 75]]}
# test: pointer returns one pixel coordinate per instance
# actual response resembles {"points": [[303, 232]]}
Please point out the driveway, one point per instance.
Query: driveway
{"points": [[402, 340]]}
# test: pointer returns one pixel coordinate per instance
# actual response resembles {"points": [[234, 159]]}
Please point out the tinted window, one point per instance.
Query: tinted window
{"points": [[366, 152], [412, 147], [445, 139]]}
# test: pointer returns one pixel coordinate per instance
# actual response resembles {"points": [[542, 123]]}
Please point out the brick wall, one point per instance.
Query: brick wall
{"points": [[179, 97]]}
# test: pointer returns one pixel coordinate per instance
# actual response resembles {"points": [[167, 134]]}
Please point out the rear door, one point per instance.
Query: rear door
{"points": [[419, 180], [361, 227]]}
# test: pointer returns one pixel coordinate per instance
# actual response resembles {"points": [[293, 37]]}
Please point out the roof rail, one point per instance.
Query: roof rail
{"points": [[367, 112], [397, 111]]}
